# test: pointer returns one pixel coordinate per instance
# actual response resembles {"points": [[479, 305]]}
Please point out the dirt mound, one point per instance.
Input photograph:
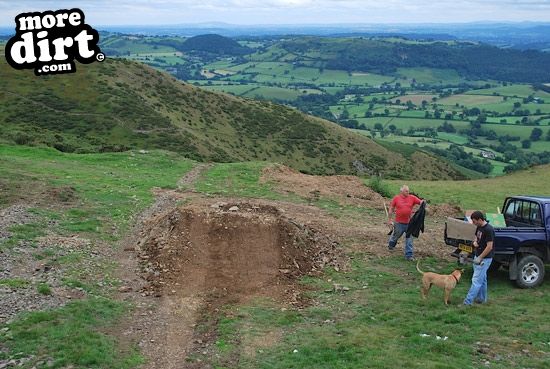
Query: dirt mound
{"points": [[199, 257], [61, 195], [348, 189], [445, 210], [229, 252]]}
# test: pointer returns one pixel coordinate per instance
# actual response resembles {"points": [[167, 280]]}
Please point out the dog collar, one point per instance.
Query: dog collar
{"points": [[456, 279]]}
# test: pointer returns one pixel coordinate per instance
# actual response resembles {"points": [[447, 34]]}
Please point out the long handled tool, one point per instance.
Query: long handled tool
{"points": [[388, 216]]}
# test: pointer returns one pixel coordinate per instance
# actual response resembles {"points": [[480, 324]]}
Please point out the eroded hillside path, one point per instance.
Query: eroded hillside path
{"points": [[163, 326]]}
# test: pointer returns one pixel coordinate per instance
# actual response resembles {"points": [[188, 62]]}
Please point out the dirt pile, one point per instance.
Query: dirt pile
{"points": [[228, 252], [347, 189], [445, 210], [60, 195]]}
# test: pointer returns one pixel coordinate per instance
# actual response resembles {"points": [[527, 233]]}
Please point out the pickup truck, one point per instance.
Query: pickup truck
{"points": [[523, 246]]}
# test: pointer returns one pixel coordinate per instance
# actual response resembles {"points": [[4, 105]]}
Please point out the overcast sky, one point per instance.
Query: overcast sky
{"points": [[142, 12]]}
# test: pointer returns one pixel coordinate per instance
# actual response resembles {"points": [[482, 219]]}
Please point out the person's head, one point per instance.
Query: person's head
{"points": [[478, 218], [404, 190]]}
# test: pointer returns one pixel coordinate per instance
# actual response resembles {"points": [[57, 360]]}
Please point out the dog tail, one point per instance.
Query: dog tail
{"points": [[417, 268]]}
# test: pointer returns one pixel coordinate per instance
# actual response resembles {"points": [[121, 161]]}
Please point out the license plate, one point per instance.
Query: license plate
{"points": [[466, 248]]}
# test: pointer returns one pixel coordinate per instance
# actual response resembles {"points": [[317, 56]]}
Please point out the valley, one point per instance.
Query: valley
{"points": [[432, 109]]}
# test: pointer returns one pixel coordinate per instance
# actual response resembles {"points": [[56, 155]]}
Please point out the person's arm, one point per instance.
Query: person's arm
{"points": [[416, 204], [390, 212], [487, 250]]}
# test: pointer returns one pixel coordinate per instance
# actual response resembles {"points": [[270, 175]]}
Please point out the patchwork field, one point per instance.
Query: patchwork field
{"points": [[298, 75]]}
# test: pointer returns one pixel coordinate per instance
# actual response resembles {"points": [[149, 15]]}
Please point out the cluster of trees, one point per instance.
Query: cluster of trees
{"points": [[474, 61], [446, 127], [541, 86], [185, 73], [211, 44], [317, 104], [457, 155], [526, 159]]}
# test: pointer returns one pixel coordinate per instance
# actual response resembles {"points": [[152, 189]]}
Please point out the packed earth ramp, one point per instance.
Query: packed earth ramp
{"points": [[196, 258], [348, 190], [231, 251]]}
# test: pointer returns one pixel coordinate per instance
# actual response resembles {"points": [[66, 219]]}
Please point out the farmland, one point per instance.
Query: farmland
{"points": [[438, 103]]}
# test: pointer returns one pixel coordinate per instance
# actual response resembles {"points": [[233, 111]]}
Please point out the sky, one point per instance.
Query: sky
{"points": [[269, 12]]}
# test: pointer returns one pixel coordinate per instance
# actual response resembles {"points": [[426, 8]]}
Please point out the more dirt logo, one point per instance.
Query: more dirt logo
{"points": [[50, 41]]}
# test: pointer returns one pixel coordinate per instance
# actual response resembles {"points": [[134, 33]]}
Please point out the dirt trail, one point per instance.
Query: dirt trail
{"points": [[187, 181], [163, 326]]}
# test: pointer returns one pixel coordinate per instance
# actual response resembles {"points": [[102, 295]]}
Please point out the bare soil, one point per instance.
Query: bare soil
{"points": [[196, 258], [348, 190]]}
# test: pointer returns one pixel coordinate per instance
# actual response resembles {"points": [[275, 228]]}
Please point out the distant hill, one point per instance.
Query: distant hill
{"points": [[215, 44], [470, 60], [506, 34], [373, 53], [117, 105]]}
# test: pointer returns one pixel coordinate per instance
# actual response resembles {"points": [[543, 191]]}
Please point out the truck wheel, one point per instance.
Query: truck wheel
{"points": [[530, 271]]}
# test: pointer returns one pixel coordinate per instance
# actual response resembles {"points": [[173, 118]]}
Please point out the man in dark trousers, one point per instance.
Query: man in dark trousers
{"points": [[484, 251], [403, 205]]}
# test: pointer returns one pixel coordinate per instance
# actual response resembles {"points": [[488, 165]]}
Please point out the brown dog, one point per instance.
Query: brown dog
{"points": [[447, 282]]}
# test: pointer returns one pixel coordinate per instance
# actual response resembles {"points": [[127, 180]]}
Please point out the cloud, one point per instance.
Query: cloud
{"points": [[287, 11]]}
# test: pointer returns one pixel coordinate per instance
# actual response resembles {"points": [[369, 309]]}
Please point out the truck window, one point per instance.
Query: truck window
{"points": [[513, 210], [535, 217], [523, 213]]}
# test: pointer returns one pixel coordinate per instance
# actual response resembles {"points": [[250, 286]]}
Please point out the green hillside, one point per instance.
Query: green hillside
{"points": [[470, 60], [76, 210], [431, 94], [120, 104]]}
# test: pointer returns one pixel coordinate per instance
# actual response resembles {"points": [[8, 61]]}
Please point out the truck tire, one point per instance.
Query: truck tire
{"points": [[530, 271]]}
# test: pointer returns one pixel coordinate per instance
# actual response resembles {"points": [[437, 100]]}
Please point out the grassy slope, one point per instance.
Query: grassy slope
{"points": [[119, 104], [483, 194], [111, 186], [379, 322], [94, 196]]}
